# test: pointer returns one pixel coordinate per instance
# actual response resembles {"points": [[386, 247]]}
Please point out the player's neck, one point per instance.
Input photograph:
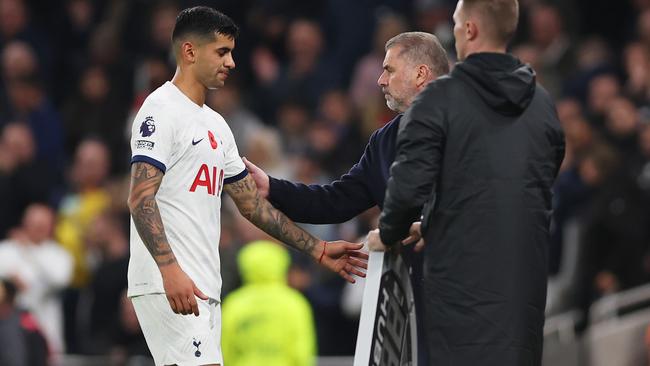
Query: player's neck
{"points": [[189, 86]]}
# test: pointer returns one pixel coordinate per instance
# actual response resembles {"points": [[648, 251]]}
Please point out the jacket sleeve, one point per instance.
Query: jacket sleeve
{"points": [[331, 203], [413, 175]]}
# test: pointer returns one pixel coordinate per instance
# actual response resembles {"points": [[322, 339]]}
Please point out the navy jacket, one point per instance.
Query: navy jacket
{"points": [[363, 187]]}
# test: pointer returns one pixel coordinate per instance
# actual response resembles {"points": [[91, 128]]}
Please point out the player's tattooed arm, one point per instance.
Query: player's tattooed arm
{"points": [[145, 181], [261, 213]]}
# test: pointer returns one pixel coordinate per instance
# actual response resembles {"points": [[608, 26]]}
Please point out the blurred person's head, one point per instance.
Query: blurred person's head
{"points": [[263, 146], [18, 140], [307, 168], [593, 52], [91, 164], [412, 60], [545, 24], [388, 26], [568, 108], [25, 93], [18, 59], [163, 19], [104, 45], [322, 137], [203, 41], [38, 223], [13, 18], [263, 262], [578, 133], [622, 117], [529, 54], [94, 84], [80, 13], [304, 44], [484, 25], [265, 65], [335, 107], [602, 89], [597, 164], [107, 234], [293, 117]]}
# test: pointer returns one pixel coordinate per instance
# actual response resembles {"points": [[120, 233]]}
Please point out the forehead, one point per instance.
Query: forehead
{"points": [[220, 41], [393, 56]]}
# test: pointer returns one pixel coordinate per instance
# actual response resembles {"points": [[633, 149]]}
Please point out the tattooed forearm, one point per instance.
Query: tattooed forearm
{"points": [[261, 213], [145, 181]]}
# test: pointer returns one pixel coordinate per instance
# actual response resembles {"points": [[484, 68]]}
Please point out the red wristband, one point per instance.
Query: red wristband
{"points": [[323, 253]]}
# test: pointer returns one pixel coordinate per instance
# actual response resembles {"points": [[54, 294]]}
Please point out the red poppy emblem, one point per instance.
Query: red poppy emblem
{"points": [[213, 141]]}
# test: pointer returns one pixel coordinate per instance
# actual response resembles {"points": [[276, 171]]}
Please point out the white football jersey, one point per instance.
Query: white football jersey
{"points": [[196, 150]]}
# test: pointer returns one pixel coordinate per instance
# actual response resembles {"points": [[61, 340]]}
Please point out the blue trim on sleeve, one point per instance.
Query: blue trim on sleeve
{"points": [[235, 178], [149, 160]]}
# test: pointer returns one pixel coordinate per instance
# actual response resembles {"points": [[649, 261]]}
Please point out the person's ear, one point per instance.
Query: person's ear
{"points": [[424, 75], [188, 52], [471, 30]]}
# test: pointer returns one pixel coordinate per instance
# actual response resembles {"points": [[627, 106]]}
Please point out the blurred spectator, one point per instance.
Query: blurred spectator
{"points": [[621, 123], [637, 68], [15, 25], [40, 268], [85, 201], [95, 111], [308, 72], [602, 89], [266, 322], [293, 121], [31, 103], [548, 35], [23, 179], [22, 342]]}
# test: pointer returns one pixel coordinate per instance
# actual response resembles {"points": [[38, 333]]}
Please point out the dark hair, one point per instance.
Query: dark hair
{"points": [[501, 15], [204, 22]]}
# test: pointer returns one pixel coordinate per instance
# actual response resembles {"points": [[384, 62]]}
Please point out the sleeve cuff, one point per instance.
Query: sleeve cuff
{"points": [[149, 160], [235, 178]]}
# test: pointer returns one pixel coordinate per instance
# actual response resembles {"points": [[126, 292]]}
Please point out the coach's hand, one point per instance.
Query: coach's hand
{"points": [[342, 257], [261, 179], [180, 290], [415, 237]]}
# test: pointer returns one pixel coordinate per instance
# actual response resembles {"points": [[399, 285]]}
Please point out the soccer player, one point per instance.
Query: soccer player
{"points": [[184, 156]]}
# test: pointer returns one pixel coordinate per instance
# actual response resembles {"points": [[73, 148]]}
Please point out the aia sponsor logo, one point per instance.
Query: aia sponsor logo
{"points": [[211, 179]]}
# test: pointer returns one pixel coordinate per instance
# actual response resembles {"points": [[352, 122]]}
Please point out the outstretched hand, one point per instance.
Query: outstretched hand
{"points": [[259, 176], [344, 258]]}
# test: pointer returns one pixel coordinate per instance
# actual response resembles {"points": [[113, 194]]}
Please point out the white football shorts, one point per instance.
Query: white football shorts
{"points": [[184, 340]]}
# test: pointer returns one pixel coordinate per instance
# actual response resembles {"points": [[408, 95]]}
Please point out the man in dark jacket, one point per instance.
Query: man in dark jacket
{"points": [[480, 150]]}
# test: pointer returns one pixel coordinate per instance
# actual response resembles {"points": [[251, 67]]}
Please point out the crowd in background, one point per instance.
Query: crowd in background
{"points": [[302, 102]]}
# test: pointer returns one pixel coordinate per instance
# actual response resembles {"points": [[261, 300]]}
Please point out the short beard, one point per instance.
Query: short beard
{"points": [[395, 106]]}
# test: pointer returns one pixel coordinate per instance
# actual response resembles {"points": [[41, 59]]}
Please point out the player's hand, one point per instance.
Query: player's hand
{"points": [[180, 290], [261, 179], [415, 237], [344, 258]]}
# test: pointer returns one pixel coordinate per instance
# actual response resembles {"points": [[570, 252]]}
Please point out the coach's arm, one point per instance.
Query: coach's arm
{"points": [[339, 256]]}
